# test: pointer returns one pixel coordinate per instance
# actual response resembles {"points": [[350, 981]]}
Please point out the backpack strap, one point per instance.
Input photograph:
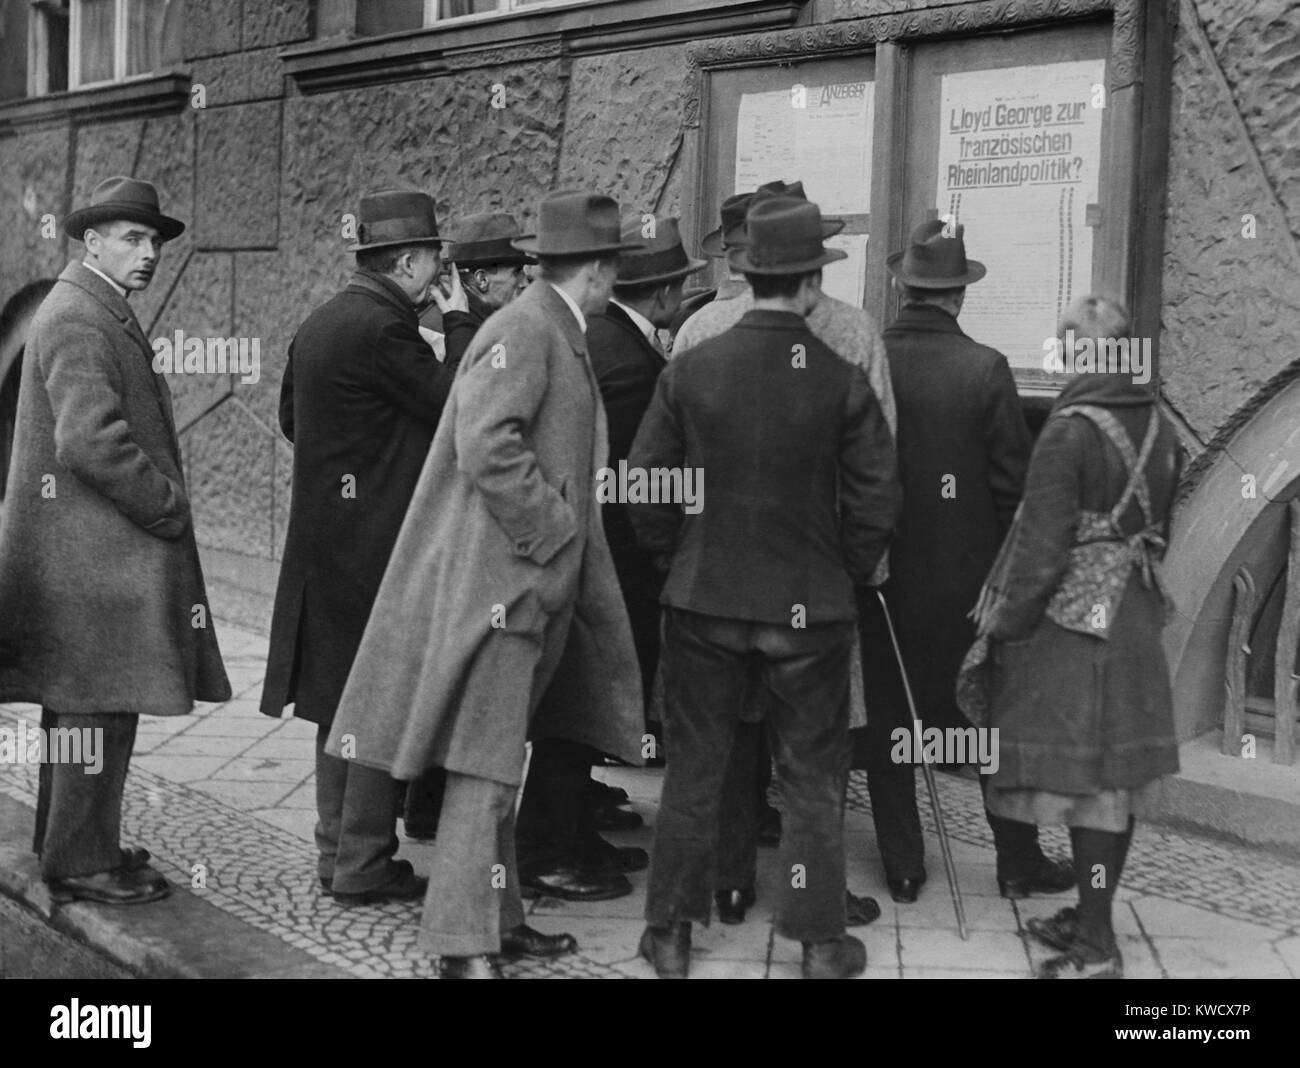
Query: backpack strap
{"points": [[1134, 462]]}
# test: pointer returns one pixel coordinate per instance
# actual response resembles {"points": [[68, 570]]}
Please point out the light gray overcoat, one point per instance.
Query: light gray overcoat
{"points": [[503, 537], [100, 583]]}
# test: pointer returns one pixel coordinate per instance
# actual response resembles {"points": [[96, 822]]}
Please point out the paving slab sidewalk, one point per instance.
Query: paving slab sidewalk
{"points": [[224, 799]]}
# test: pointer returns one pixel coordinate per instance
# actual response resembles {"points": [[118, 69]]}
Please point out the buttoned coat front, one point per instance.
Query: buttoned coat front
{"points": [[502, 541], [102, 602]]}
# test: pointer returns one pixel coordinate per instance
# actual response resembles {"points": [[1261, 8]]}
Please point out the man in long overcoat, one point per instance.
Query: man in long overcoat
{"points": [[360, 400], [560, 851], [103, 612], [502, 566], [963, 450]]}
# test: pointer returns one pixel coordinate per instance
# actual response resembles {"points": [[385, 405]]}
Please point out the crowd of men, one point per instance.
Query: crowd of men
{"points": [[452, 590]]}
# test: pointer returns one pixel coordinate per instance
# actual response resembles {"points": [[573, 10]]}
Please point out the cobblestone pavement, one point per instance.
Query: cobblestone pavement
{"points": [[225, 798]]}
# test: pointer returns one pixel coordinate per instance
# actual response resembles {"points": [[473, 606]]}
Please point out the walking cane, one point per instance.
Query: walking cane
{"points": [[928, 773]]}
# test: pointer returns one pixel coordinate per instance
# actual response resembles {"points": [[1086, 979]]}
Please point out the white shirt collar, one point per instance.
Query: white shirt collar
{"points": [[573, 307], [92, 267], [643, 324]]}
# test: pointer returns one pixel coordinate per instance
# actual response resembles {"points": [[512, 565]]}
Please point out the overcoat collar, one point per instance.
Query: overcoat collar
{"points": [[926, 318], [1105, 390], [552, 304], [388, 291], [83, 277], [624, 322]]}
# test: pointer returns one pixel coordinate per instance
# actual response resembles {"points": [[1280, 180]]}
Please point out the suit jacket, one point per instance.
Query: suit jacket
{"points": [[802, 490], [360, 400], [102, 601], [502, 538], [963, 449]]}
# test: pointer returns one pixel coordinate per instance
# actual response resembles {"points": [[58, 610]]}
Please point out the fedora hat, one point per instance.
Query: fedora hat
{"points": [[732, 231], [933, 261], [484, 240], [785, 237], [662, 258], [575, 224], [396, 217], [130, 199]]}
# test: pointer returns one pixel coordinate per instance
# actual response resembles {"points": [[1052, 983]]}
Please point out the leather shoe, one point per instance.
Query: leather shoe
{"points": [[905, 891], [404, 886], [523, 941], [839, 958], [1049, 877], [599, 857], [416, 831], [468, 968], [134, 858], [668, 949], [601, 794], [326, 886], [570, 883], [860, 911], [733, 903], [613, 818], [116, 887], [769, 826]]}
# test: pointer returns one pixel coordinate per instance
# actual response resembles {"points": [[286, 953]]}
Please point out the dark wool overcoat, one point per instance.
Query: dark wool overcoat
{"points": [[1075, 713], [502, 540], [360, 400], [627, 367], [963, 448], [102, 603]]}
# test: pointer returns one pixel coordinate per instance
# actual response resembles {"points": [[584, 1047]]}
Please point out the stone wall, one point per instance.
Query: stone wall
{"points": [[264, 174]]}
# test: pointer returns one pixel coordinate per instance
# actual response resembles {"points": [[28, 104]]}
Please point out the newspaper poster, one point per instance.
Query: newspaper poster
{"points": [[1019, 160]]}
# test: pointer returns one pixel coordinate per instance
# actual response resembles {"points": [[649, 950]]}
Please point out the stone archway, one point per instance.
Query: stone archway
{"points": [[15, 319], [1219, 529]]}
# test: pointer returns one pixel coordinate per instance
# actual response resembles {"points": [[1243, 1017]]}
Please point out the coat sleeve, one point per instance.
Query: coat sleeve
{"points": [[502, 385], [286, 397], [408, 374], [1045, 532], [660, 442], [1007, 440], [871, 496], [459, 329], [91, 435]]}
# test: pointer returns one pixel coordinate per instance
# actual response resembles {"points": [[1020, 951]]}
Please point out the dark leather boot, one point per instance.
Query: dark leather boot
{"points": [[668, 949]]}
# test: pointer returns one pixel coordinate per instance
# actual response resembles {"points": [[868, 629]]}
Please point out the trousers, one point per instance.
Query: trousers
{"points": [[710, 665]]}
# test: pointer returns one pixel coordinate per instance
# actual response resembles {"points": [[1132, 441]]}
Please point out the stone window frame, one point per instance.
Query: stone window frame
{"points": [[538, 31], [1140, 65]]}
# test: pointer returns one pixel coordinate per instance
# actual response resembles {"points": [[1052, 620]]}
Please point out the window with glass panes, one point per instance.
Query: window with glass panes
{"points": [[391, 16], [113, 40]]}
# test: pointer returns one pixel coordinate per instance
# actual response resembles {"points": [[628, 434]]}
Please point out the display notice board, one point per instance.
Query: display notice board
{"points": [[811, 123]]}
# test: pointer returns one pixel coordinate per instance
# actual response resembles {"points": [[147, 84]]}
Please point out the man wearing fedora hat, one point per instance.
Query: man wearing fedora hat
{"points": [[361, 398], [501, 588], [491, 272], [759, 587], [560, 851], [100, 580], [963, 451]]}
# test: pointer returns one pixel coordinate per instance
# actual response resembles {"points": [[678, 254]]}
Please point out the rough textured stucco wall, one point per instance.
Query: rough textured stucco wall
{"points": [[33, 180], [1230, 303], [1257, 46], [623, 125]]}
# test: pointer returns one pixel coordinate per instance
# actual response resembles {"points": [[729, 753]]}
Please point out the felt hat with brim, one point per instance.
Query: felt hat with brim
{"points": [[785, 237], [396, 217], [731, 233], [484, 241], [661, 259], [576, 224], [128, 199], [935, 259]]}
